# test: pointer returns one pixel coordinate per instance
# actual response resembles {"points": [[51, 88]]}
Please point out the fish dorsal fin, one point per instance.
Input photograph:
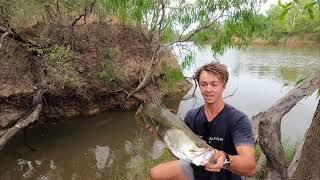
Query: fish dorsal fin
{"points": [[157, 101]]}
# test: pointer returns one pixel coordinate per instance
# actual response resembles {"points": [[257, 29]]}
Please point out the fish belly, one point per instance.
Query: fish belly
{"points": [[184, 148]]}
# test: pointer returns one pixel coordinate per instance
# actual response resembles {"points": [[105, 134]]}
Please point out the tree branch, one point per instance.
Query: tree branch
{"points": [[11, 33], [2, 37], [266, 126], [84, 14], [146, 78], [20, 125], [163, 13]]}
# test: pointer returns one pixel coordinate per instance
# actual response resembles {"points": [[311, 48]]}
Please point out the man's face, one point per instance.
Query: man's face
{"points": [[211, 87]]}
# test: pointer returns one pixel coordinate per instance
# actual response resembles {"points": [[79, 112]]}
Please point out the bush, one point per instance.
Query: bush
{"points": [[171, 77], [107, 75], [58, 62]]}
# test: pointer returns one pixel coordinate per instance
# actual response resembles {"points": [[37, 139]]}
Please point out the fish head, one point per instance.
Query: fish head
{"points": [[151, 119]]}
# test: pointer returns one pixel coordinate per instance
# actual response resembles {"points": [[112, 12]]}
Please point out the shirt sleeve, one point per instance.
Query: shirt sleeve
{"points": [[242, 132], [187, 118]]}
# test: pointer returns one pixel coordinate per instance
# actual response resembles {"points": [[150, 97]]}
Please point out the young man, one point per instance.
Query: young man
{"points": [[221, 126]]}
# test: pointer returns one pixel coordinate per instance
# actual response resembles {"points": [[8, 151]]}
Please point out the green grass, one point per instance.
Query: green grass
{"points": [[107, 75], [171, 76], [289, 152]]}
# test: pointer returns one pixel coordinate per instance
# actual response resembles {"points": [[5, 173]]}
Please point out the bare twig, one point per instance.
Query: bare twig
{"points": [[148, 75], [84, 14], [163, 13], [11, 33], [2, 37], [232, 94], [194, 90]]}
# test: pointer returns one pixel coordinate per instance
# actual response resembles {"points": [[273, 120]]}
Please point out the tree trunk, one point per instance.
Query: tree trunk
{"points": [[308, 165], [266, 126]]}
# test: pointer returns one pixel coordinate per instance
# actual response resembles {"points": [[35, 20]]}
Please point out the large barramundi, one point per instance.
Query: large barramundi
{"points": [[177, 136]]}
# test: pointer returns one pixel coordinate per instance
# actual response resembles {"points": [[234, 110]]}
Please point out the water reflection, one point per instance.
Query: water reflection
{"points": [[83, 148]]}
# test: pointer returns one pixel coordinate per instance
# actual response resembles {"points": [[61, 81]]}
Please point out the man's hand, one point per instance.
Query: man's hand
{"points": [[219, 158]]}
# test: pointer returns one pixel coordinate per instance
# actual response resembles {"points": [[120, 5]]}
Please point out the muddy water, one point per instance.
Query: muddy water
{"points": [[90, 147], [81, 148]]}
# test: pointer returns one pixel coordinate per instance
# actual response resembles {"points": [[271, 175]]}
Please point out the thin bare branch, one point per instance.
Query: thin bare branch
{"points": [[148, 75], [232, 94], [84, 14], [163, 13], [2, 37], [11, 33]]}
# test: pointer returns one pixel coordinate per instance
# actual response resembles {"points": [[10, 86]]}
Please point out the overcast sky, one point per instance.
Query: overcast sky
{"points": [[268, 3]]}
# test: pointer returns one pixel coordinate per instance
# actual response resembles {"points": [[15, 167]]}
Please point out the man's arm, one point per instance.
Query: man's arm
{"points": [[243, 164]]}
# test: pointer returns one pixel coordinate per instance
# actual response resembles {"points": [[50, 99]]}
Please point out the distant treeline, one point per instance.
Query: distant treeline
{"points": [[299, 20]]}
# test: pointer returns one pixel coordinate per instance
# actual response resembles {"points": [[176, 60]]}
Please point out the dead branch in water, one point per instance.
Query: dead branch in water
{"points": [[20, 125]]}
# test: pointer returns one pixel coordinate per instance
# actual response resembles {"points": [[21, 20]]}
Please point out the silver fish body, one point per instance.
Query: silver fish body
{"points": [[179, 139]]}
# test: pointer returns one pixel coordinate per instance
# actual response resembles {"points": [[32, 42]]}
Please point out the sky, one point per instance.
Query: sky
{"points": [[268, 3]]}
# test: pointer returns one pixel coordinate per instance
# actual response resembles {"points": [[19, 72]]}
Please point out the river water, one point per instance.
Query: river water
{"points": [[91, 147]]}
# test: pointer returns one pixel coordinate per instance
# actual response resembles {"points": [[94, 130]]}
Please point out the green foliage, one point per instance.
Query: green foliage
{"points": [[292, 18], [169, 20], [107, 75], [58, 62], [27, 12], [187, 61], [289, 151], [301, 79], [238, 30], [171, 77], [307, 5], [180, 20], [258, 152], [167, 36]]}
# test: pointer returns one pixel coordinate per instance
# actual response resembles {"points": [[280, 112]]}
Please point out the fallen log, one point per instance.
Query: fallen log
{"points": [[20, 125]]}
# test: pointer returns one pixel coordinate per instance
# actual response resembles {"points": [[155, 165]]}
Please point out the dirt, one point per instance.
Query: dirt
{"points": [[107, 61]]}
